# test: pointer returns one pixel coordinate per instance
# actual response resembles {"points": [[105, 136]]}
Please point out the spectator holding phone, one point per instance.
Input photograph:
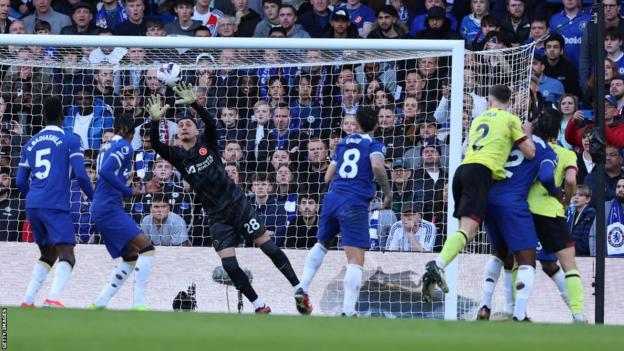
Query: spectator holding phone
{"points": [[614, 125]]}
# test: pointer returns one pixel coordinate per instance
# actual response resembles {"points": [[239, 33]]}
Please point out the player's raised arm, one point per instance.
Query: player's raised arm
{"points": [[156, 112], [187, 97], [525, 143]]}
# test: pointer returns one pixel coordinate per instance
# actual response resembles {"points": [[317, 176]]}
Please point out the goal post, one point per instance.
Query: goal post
{"points": [[250, 55]]}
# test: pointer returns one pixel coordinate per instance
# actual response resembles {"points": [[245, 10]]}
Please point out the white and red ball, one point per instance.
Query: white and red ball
{"points": [[169, 74]]}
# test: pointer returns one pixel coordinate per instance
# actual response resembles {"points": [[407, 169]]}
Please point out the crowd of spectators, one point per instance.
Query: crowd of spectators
{"points": [[278, 126]]}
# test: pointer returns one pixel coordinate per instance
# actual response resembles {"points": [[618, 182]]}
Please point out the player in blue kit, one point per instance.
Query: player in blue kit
{"points": [[122, 236], [48, 160], [358, 161], [509, 223]]}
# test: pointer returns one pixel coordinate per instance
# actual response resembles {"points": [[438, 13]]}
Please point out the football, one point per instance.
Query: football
{"points": [[169, 74]]}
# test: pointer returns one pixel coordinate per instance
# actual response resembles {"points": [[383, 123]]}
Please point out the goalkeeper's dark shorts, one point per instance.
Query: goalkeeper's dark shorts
{"points": [[471, 186], [237, 220], [553, 233]]}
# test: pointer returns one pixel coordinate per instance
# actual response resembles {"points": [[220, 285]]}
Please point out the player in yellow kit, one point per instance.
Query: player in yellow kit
{"points": [[549, 214], [492, 135]]}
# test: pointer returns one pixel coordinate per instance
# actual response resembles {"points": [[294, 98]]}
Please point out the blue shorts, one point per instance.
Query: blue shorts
{"points": [[346, 216], [510, 227], [117, 229], [543, 255], [51, 226]]}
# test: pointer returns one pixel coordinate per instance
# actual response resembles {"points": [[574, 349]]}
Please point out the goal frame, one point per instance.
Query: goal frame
{"points": [[455, 48]]}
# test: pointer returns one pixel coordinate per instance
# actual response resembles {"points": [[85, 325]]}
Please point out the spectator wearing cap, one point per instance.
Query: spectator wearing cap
{"points": [[316, 20], [44, 11], [270, 9], [438, 26], [12, 207], [516, 21], [82, 18], [614, 125], [387, 25], [390, 134], [420, 23], [183, 25], [402, 185], [558, 66], [430, 177], [111, 14], [88, 117], [5, 22], [361, 16], [340, 26], [135, 23], [288, 21], [412, 232], [301, 233], [425, 128], [550, 88]]}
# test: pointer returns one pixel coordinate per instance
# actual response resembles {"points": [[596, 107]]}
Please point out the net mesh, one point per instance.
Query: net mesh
{"points": [[279, 115]]}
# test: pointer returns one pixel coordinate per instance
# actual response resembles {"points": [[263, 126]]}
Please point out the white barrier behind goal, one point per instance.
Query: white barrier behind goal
{"points": [[423, 91]]}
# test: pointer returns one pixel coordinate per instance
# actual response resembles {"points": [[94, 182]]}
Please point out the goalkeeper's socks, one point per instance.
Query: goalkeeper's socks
{"points": [[490, 278], [40, 272], [452, 247], [352, 283], [61, 277], [312, 264], [141, 272], [560, 280], [524, 286], [281, 261], [118, 278], [508, 291], [574, 288]]}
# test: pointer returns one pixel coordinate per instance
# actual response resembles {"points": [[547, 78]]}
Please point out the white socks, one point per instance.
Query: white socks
{"points": [[352, 283], [257, 303], [142, 271], [119, 276], [524, 286], [40, 272], [312, 264], [508, 290], [61, 277], [560, 280], [490, 278]]}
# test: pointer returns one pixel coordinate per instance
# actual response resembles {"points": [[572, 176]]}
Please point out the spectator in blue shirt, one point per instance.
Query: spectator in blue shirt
{"points": [[88, 117], [111, 14], [550, 88], [570, 23], [361, 16], [471, 24]]}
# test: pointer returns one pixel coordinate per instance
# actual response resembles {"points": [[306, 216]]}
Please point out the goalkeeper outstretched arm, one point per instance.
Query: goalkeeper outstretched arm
{"points": [[156, 111], [187, 97]]}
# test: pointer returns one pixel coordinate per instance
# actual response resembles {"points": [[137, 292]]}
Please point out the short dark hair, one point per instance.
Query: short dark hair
{"points": [[183, 2], [312, 196], [5, 170], [367, 119], [261, 177], [162, 198], [154, 23], [123, 124], [548, 124], [101, 31], [614, 33], [555, 37], [389, 9], [500, 92], [52, 110], [489, 20], [202, 28], [42, 25], [288, 6], [276, 2], [540, 18], [278, 29]]}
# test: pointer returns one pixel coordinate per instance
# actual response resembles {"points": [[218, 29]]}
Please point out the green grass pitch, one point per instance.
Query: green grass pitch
{"points": [[66, 330]]}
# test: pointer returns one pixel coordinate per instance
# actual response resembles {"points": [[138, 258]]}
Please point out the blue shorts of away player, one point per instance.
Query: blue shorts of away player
{"points": [[543, 255], [51, 226], [510, 227], [117, 229], [347, 216]]}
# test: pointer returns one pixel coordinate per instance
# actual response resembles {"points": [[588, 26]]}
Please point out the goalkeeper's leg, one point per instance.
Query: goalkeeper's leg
{"points": [[118, 277], [240, 279]]}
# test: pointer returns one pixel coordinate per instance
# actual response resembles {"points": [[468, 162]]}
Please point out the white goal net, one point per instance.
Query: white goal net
{"points": [[280, 107]]}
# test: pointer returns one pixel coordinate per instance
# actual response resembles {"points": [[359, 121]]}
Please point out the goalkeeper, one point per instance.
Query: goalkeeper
{"points": [[229, 214]]}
